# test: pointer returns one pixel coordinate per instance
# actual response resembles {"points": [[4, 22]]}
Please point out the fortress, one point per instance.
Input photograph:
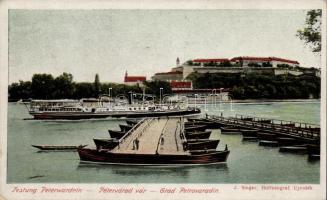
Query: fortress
{"points": [[237, 65]]}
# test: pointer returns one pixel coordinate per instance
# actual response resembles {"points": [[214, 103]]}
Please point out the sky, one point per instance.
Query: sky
{"points": [[144, 42]]}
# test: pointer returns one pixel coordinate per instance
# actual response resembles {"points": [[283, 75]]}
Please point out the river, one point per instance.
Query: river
{"points": [[248, 162]]}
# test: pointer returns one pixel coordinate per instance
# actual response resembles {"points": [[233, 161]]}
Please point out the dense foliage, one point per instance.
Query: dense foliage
{"points": [[45, 86], [261, 86], [311, 33]]}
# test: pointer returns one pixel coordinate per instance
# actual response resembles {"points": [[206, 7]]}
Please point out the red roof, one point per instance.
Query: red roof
{"points": [[181, 84], [134, 79], [264, 59], [284, 60], [163, 73], [211, 60]]}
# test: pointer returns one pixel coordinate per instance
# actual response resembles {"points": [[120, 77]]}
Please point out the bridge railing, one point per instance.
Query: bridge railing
{"points": [[296, 131]]}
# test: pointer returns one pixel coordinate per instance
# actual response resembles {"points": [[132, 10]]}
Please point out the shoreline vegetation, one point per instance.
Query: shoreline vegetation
{"points": [[242, 88]]}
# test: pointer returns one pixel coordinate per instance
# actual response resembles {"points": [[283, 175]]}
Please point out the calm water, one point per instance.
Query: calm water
{"points": [[247, 163]]}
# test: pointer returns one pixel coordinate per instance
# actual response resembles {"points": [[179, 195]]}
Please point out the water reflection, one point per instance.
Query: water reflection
{"points": [[124, 170]]}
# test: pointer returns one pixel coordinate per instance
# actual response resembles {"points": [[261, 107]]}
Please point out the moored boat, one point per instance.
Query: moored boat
{"points": [[57, 147], [195, 128], [108, 157], [286, 141], [230, 130], [201, 144], [249, 132], [197, 135], [75, 110], [208, 124], [266, 121], [131, 122], [300, 149], [202, 151], [313, 150], [125, 128], [116, 134], [268, 143], [266, 136], [105, 143]]}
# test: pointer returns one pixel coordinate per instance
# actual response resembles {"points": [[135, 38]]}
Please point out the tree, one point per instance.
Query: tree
{"points": [[64, 87], [42, 86], [311, 33], [96, 86]]}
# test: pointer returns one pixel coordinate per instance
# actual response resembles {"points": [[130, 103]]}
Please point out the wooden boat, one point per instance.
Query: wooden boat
{"points": [[57, 148], [266, 136], [286, 141], [131, 122], [268, 143], [204, 123], [116, 134], [247, 118], [195, 128], [249, 132], [201, 144], [108, 157], [266, 121], [230, 130], [300, 149], [197, 135], [196, 119], [199, 152], [125, 128], [105, 143], [291, 125], [313, 151], [249, 138]]}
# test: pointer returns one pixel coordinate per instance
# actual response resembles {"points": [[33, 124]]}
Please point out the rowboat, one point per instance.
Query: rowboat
{"points": [[57, 147], [300, 149], [249, 133], [199, 123], [201, 144], [116, 134], [125, 128], [313, 151], [268, 143], [286, 141], [195, 128], [105, 143], [197, 135], [230, 130], [108, 157], [131, 122], [266, 136], [247, 118], [267, 121]]}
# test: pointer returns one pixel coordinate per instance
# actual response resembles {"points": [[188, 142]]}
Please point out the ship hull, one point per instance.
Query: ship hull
{"points": [[106, 157], [121, 114]]}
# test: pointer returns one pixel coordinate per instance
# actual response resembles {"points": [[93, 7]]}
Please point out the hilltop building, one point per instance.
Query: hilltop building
{"points": [[134, 80], [237, 65]]}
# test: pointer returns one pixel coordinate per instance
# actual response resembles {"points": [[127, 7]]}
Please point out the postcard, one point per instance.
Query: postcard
{"points": [[163, 100]]}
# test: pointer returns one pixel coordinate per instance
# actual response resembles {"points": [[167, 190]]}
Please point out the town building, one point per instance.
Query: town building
{"points": [[134, 80], [181, 85]]}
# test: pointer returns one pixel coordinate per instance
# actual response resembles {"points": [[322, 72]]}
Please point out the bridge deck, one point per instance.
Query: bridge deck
{"points": [[156, 135]]}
